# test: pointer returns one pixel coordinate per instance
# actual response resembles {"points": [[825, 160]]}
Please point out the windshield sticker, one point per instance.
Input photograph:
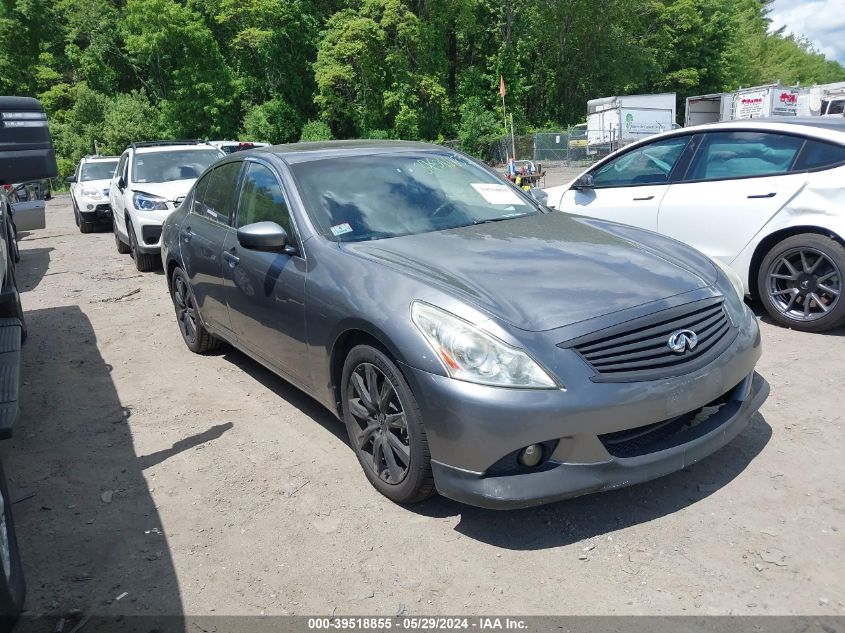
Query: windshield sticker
{"points": [[497, 194], [340, 229]]}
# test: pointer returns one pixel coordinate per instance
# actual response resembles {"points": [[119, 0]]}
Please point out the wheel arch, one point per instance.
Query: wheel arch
{"points": [[766, 244], [172, 264], [351, 336]]}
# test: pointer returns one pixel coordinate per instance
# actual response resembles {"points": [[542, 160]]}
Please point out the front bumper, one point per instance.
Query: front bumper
{"points": [[473, 429], [565, 480], [99, 213], [148, 227]]}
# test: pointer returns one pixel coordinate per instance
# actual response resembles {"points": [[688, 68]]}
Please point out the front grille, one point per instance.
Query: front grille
{"points": [[150, 234], [638, 349], [681, 429]]}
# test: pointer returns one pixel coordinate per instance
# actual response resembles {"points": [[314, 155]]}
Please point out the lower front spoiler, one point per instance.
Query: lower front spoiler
{"points": [[572, 480]]}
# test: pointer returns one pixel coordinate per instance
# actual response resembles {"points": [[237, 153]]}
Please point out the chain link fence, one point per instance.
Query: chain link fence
{"points": [[567, 147]]}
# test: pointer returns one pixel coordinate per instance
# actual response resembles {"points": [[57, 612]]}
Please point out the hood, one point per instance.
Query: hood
{"points": [[95, 184], [167, 190], [546, 271]]}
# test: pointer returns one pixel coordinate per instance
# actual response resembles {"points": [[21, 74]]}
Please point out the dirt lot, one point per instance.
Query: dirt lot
{"points": [[206, 485]]}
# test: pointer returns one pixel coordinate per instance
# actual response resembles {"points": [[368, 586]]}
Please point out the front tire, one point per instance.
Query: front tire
{"points": [[800, 282], [385, 426], [196, 337], [122, 247], [12, 586], [144, 262]]}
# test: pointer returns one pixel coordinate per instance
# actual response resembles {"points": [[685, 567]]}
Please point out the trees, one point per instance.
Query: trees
{"points": [[120, 70]]}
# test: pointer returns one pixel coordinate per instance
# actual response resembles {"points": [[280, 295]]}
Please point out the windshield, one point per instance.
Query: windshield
{"points": [[183, 164], [101, 170], [355, 198]]}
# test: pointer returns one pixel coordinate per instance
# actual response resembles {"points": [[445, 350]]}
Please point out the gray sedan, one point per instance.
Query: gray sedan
{"points": [[472, 342]]}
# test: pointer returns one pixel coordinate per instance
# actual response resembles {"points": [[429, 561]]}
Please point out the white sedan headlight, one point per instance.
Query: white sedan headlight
{"points": [[734, 278], [88, 192], [470, 354]]}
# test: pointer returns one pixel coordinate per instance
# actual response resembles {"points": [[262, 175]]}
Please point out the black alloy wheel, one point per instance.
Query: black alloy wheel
{"points": [[194, 334], [385, 426], [800, 283]]}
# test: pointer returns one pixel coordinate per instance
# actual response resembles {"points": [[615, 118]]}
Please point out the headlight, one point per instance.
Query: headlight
{"points": [[472, 355], [734, 278], [87, 192], [146, 202]]}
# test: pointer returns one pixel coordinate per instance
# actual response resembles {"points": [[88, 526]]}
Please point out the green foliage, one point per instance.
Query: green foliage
{"points": [[316, 131], [124, 70], [479, 127], [275, 121]]}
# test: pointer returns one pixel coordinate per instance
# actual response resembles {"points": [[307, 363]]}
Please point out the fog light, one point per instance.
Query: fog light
{"points": [[90, 207], [530, 456]]}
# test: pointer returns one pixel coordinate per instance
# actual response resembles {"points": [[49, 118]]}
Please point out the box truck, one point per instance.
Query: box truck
{"points": [[613, 122], [746, 103]]}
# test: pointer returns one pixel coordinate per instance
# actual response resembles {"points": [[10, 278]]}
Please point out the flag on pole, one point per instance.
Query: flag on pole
{"points": [[502, 86]]}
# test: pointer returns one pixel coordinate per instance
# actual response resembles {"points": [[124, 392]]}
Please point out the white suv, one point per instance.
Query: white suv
{"points": [[151, 180], [89, 191]]}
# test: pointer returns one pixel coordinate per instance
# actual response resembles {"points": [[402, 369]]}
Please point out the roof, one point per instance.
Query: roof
{"points": [[304, 152], [836, 124], [148, 149], [89, 159]]}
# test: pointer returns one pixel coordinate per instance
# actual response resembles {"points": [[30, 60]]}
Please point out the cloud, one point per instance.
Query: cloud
{"points": [[820, 21]]}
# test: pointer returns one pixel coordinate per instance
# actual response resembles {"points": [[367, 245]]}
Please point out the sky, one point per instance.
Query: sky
{"points": [[821, 21]]}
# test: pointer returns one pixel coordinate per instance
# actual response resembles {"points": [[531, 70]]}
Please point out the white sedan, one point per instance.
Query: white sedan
{"points": [[763, 197]]}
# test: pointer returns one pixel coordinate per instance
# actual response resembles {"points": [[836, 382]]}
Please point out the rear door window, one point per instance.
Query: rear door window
{"points": [[198, 204], [219, 195], [820, 155], [725, 155]]}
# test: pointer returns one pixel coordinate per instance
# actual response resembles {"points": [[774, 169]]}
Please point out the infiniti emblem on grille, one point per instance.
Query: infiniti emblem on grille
{"points": [[682, 340]]}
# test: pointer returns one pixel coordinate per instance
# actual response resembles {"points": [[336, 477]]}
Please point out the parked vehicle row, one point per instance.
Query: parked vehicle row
{"points": [[766, 198], [295, 254]]}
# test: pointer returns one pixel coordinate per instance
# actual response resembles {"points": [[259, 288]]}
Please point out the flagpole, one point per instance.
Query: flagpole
{"points": [[502, 92]]}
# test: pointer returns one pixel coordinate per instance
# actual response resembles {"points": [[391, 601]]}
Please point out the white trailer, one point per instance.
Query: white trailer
{"points": [[616, 121], [766, 101], [708, 108], [746, 103]]}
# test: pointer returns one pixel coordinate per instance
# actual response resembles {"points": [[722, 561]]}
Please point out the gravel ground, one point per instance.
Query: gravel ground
{"points": [[206, 485]]}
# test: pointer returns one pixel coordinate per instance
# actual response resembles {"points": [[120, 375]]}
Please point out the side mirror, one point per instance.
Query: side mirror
{"points": [[70, 180], [264, 236], [584, 182], [121, 183], [539, 195]]}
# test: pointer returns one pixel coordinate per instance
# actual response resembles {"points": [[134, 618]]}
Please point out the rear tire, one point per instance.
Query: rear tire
{"points": [[12, 585], [196, 337], [144, 262], [385, 426], [800, 283]]}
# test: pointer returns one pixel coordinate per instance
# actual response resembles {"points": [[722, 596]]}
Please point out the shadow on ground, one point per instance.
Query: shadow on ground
{"points": [[87, 524], [33, 267]]}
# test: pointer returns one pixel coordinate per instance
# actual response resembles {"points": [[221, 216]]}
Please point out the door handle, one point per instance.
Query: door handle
{"points": [[771, 194], [186, 234], [645, 198], [230, 257]]}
